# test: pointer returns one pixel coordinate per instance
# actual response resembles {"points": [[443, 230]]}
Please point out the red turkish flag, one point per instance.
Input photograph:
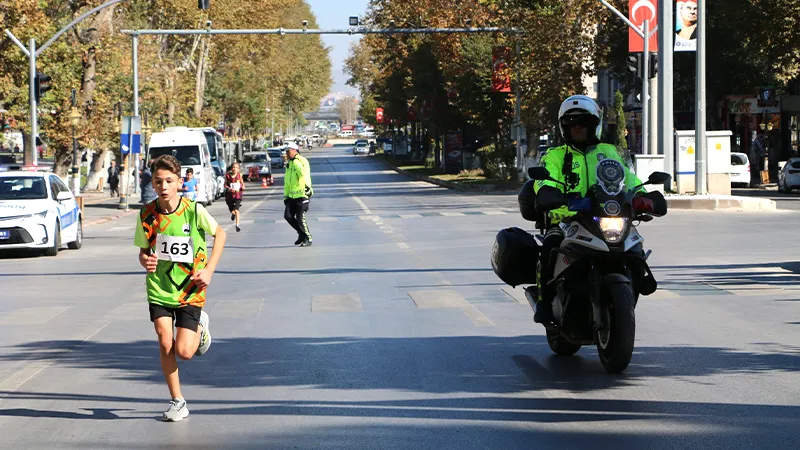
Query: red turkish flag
{"points": [[379, 115], [638, 12]]}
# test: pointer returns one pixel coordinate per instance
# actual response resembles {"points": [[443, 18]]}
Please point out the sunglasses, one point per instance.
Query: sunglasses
{"points": [[585, 120]]}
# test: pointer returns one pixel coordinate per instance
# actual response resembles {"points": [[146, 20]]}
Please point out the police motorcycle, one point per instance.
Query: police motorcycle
{"points": [[600, 269]]}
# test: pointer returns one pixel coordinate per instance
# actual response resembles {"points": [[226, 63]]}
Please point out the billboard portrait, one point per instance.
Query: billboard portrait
{"points": [[686, 26]]}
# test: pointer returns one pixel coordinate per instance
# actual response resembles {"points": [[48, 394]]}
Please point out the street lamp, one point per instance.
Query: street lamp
{"points": [[75, 120], [146, 129]]}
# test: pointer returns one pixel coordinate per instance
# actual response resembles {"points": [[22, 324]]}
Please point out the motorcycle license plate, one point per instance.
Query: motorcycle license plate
{"points": [[5, 234]]}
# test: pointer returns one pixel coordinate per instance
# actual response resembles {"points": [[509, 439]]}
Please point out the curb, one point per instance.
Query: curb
{"points": [[721, 204], [450, 184], [108, 218]]}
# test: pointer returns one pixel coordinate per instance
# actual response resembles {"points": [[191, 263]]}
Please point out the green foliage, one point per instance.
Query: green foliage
{"points": [[619, 114], [497, 162], [185, 80]]}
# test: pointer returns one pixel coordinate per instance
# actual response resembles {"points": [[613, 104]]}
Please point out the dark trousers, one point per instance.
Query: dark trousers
{"points": [[552, 240], [114, 184], [295, 214]]}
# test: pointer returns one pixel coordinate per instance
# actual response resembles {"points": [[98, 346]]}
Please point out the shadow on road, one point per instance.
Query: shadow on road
{"points": [[488, 374]]}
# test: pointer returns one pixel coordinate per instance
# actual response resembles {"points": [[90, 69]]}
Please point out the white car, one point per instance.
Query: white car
{"points": [[257, 162], [38, 211], [789, 176], [219, 179], [740, 169]]}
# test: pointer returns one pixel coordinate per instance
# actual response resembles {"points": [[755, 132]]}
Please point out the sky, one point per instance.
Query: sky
{"points": [[334, 14]]}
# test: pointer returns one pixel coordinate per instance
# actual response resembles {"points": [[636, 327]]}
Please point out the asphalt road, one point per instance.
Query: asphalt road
{"points": [[392, 331]]}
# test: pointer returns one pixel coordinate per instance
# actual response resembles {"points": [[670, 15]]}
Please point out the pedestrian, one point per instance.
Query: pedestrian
{"points": [[113, 179], [297, 194], [189, 187], [171, 236], [146, 184], [234, 187]]}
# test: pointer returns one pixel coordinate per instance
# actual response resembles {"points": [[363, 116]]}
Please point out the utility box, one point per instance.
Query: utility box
{"points": [[647, 164], [718, 161]]}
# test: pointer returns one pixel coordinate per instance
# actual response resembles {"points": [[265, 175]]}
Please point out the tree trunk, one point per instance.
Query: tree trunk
{"points": [[97, 171], [200, 85], [27, 153], [62, 161], [171, 106]]}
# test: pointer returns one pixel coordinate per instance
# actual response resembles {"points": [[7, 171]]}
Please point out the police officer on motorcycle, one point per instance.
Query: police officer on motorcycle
{"points": [[574, 165]]}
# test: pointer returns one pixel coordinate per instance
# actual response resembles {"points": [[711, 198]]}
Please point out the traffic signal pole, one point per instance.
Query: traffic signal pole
{"points": [[32, 52], [32, 89]]}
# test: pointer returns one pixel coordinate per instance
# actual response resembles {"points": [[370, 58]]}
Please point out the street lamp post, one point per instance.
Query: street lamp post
{"points": [[145, 131], [75, 120]]}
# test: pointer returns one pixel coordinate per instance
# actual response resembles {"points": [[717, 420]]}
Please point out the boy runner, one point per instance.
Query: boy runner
{"points": [[171, 236], [190, 185]]}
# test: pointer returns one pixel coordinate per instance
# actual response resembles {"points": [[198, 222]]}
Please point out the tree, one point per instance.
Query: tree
{"points": [[187, 80], [348, 109], [619, 112]]}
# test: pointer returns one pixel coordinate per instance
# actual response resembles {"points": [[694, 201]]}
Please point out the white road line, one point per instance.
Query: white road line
{"points": [[403, 245], [126, 228], [363, 206], [50, 362], [477, 317]]}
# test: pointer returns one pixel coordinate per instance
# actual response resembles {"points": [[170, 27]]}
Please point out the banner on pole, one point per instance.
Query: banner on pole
{"points": [[638, 12], [686, 26], [501, 70]]}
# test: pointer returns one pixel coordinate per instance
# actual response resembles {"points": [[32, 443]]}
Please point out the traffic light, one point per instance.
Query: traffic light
{"points": [[635, 64], [203, 4], [653, 65], [41, 84]]}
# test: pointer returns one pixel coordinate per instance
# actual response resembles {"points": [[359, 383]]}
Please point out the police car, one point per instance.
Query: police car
{"points": [[38, 211]]}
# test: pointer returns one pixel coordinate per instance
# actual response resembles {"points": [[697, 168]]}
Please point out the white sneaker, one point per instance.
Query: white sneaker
{"points": [[205, 335], [177, 411]]}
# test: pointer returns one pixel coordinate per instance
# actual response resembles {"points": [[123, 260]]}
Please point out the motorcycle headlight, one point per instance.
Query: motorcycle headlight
{"points": [[613, 228]]}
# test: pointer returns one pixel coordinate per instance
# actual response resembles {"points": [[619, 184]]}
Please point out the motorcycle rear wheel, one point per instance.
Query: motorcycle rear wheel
{"points": [[616, 348], [561, 346]]}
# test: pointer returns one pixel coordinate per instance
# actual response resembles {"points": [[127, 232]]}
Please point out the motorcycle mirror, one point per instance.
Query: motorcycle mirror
{"points": [[538, 173], [658, 178]]}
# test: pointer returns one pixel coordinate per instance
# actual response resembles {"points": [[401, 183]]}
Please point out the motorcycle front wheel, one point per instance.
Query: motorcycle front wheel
{"points": [[615, 346]]}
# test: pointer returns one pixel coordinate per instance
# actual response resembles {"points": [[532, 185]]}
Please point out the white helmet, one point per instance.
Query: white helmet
{"points": [[580, 105]]}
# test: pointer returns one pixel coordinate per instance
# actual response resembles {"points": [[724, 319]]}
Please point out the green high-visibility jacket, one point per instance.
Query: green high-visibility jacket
{"points": [[297, 179], [584, 166]]}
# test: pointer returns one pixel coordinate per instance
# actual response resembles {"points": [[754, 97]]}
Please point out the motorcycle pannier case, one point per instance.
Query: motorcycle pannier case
{"points": [[514, 256]]}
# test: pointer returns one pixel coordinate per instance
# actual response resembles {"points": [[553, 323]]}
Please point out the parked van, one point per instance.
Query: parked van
{"points": [[191, 149], [214, 142]]}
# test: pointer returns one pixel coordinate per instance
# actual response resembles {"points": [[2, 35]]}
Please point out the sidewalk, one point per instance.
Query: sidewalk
{"points": [[101, 207], [463, 184], [753, 201]]}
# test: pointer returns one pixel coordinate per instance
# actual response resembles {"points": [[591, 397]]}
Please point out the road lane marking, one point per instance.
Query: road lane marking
{"points": [[329, 303], [403, 245], [438, 299], [477, 317], [32, 316], [363, 206], [37, 366]]}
